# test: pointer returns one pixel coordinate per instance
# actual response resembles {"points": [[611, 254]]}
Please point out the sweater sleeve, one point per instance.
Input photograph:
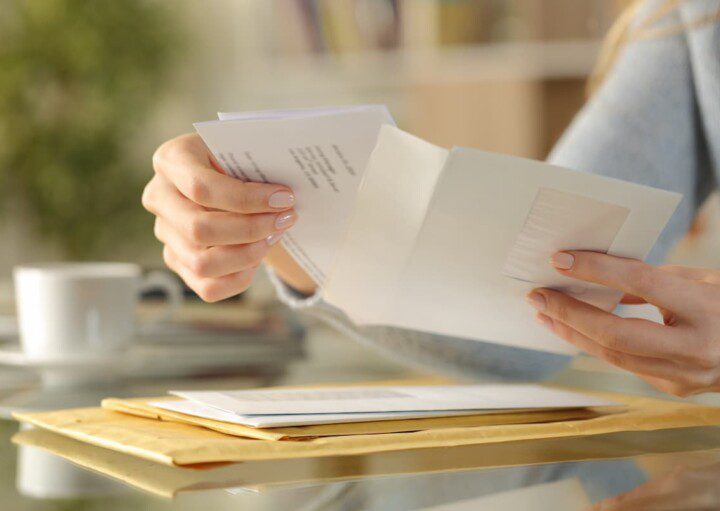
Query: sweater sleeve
{"points": [[641, 126]]}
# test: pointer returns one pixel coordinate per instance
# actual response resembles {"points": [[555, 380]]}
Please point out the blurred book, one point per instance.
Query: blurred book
{"points": [[335, 26]]}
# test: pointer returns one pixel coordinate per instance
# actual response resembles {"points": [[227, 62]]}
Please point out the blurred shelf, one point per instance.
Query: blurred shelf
{"points": [[397, 69]]}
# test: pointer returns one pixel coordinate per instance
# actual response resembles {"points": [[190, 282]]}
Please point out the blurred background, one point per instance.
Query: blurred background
{"points": [[88, 89]]}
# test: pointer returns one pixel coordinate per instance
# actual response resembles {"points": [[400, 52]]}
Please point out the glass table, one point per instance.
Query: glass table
{"points": [[661, 470]]}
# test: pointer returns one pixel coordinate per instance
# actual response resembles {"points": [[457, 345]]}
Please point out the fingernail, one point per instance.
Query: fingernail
{"points": [[281, 200], [537, 300], [273, 238], [562, 260], [544, 320], [285, 220]]}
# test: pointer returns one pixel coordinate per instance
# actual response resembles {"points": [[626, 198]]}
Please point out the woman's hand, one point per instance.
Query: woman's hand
{"points": [[216, 229], [683, 488], [681, 357]]}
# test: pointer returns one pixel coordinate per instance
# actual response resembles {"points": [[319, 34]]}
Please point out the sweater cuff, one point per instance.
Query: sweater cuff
{"points": [[290, 296]]}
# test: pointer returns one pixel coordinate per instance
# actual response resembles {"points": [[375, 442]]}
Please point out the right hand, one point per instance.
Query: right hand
{"points": [[216, 229]]}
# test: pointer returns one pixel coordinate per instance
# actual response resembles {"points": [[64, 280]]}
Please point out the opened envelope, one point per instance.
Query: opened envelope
{"points": [[407, 224]]}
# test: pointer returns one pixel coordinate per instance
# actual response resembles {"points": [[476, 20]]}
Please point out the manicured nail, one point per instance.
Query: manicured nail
{"points": [[562, 260], [544, 320], [273, 238], [285, 220], [281, 200], [537, 300]]}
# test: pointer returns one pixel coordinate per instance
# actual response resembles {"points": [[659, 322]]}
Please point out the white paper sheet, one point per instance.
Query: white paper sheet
{"points": [[197, 409], [453, 282], [396, 197], [320, 154], [390, 399]]}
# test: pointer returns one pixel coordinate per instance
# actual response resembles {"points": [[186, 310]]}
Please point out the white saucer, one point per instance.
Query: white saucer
{"points": [[163, 359], [41, 399], [37, 398], [11, 355]]}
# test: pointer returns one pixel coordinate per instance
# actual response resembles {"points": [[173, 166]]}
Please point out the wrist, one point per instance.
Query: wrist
{"points": [[285, 267]]}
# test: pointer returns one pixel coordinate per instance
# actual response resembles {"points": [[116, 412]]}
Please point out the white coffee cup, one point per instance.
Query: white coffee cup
{"points": [[70, 310]]}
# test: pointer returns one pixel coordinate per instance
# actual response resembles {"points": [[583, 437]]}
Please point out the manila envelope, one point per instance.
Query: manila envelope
{"points": [[183, 444], [166, 481]]}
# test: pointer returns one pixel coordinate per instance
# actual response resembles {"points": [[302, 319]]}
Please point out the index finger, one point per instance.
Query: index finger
{"points": [[634, 277], [185, 161]]}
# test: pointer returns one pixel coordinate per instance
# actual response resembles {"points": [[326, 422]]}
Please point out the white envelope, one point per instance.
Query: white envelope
{"points": [[338, 400], [197, 409]]}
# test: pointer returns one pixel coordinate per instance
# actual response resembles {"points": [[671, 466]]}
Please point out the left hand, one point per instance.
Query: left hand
{"points": [[680, 357]]}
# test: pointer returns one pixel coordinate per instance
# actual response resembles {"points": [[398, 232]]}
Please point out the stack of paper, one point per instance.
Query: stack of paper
{"points": [[390, 225], [299, 407], [134, 427]]}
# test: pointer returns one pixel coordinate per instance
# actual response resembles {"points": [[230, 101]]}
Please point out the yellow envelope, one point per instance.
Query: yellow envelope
{"points": [[182, 444], [166, 481], [141, 408]]}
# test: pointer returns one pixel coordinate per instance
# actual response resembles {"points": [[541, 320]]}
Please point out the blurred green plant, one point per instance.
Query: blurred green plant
{"points": [[77, 80]]}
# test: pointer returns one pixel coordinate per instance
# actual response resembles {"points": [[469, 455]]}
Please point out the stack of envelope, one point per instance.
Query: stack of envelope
{"points": [[192, 429]]}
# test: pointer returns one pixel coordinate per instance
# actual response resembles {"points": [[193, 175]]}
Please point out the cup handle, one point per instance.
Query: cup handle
{"points": [[174, 296]]}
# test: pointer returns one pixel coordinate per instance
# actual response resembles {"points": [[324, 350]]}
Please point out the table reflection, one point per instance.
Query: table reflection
{"points": [[683, 488], [53, 466]]}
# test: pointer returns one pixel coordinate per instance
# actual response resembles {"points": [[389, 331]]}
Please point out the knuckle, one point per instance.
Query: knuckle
{"points": [[244, 200], [199, 230], [200, 264], [147, 196], [587, 261], [641, 278], [157, 229], [706, 358], [254, 228], [198, 190], [164, 153], [560, 309], [160, 156], [610, 338]]}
